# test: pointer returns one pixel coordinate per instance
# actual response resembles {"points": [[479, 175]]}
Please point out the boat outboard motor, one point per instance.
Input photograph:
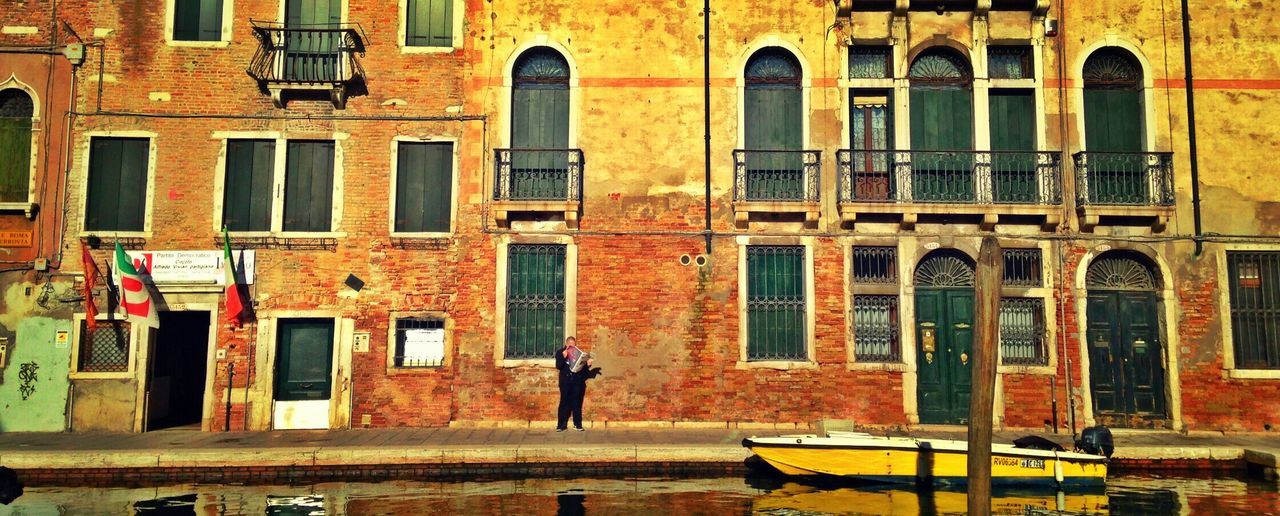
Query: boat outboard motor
{"points": [[1096, 440]]}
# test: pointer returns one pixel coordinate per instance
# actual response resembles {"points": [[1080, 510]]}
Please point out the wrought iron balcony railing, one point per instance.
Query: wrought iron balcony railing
{"points": [[309, 57], [1124, 178], [777, 175], [962, 177], [538, 175]]}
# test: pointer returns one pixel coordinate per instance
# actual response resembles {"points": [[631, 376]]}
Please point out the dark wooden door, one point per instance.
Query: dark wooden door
{"points": [[944, 364], [304, 360], [1126, 365]]}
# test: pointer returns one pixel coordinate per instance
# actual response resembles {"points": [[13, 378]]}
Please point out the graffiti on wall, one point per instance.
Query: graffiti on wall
{"points": [[28, 376]]}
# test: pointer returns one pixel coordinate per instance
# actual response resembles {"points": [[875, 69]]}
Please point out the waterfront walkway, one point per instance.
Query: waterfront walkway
{"points": [[93, 458]]}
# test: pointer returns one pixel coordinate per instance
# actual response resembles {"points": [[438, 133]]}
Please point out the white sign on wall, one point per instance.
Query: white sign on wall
{"points": [[192, 267], [424, 346]]}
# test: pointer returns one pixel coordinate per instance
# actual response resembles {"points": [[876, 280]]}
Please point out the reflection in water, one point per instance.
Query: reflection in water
{"points": [[737, 495]]}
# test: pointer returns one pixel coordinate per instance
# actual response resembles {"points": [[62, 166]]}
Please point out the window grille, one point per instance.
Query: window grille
{"points": [[875, 329], [775, 303], [535, 300], [875, 265], [1022, 268], [419, 342], [871, 62], [104, 349], [1022, 332], [1254, 280], [1010, 62]]}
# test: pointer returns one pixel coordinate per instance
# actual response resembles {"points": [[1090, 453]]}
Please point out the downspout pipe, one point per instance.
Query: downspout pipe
{"points": [[1191, 128], [706, 113]]}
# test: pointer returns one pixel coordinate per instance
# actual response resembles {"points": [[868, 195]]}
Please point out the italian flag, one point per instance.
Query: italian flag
{"points": [[135, 300], [235, 305]]}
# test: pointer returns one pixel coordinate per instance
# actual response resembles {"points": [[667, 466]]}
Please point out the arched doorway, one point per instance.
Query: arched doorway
{"points": [[773, 129], [1114, 128], [540, 125], [942, 126], [1126, 368], [944, 336]]}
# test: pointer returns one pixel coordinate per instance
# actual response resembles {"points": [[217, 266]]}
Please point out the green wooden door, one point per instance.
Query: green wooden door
{"points": [[1113, 124], [773, 124], [1013, 138], [944, 383], [540, 127], [1126, 370], [15, 168], [312, 55], [942, 120], [304, 359]]}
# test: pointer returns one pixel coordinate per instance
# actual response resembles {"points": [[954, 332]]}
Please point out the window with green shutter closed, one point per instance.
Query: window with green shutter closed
{"points": [[197, 20], [1013, 128], [246, 199], [775, 303], [535, 300], [308, 186], [16, 110], [424, 187], [773, 107], [1113, 93], [540, 125], [942, 120], [117, 190], [312, 56], [429, 23]]}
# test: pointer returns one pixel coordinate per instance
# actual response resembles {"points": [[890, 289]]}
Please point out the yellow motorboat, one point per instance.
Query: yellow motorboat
{"points": [[931, 461]]}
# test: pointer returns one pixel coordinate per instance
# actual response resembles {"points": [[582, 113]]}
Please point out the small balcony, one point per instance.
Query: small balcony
{"points": [[777, 183], [537, 181], [308, 60], [1124, 188], [992, 187]]}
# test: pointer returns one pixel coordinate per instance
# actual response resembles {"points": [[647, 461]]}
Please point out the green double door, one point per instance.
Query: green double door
{"points": [[304, 359], [1126, 371], [944, 354], [312, 45]]}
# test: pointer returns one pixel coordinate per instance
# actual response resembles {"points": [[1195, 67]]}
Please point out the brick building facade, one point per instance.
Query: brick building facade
{"points": [[425, 197]]}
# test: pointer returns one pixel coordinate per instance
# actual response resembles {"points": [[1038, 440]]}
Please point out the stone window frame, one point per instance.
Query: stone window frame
{"points": [[149, 197], [1149, 119], [454, 171], [500, 291], [809, 244], [28, 207], [402, 30], [224, 40], [135, 337], [508, 86], [445, 363], [806, 84], [1049, 317], [279, 167], [1224, 312], [852, 289]]}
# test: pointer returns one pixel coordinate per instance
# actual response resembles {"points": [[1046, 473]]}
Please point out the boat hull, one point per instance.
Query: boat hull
{"points": [[896, 460]]}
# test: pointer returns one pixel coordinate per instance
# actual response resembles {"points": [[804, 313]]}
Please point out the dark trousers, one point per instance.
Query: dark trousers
{"points": [[572, 389]]}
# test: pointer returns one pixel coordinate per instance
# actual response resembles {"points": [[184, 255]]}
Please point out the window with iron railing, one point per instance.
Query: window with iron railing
{"points": [[1022, 268], [870, 62], [535, 300], [105, 348], [1254, 284], [1022, 332], [875, 316], [776, 308], [420, 342]]}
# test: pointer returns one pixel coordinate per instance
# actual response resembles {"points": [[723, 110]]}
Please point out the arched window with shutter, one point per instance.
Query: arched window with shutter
{"points": [[17, 111], [540, 125]]}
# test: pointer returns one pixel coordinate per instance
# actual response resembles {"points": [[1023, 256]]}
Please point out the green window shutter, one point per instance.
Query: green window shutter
{"points": [[305, 364], [197, 20], [429, 23], [774, 119], [776, 308], [1113, 120], [535, 300], [308, 186], [941, 119], [1013, 129], [424, 187], [211, 20], [540, 118], [15, 168], [246, 200], [117, 184]]}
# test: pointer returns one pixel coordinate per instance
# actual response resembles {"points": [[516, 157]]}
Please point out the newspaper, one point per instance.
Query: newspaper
{"points": [[581, 363]]}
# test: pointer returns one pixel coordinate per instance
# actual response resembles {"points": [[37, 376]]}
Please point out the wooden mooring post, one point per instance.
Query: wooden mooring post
{"points": [[986, 339]]}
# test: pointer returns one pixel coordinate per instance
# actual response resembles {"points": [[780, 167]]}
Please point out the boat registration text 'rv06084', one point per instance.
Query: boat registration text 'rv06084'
{"points": [[1020, 463]]}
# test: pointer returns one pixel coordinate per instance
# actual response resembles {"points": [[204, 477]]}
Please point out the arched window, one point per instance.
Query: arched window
{"points": [[945, 269], [540, 125], [16, 112], [1113, 102], [1121, 270], [942, 120], [773, 101]]}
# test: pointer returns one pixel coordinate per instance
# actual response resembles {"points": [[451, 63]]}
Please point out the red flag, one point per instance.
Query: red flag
{"points": [[235, 304], [90, 279]]}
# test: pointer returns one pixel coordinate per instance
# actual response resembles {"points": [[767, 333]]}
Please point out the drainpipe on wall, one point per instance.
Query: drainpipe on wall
{"points": [[1191, 127], [706, 112]]}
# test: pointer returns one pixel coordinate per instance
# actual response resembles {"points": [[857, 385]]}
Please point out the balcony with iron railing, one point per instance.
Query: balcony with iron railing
{"points": [[1124, 186], [991, 186], [777, 182], [537, 181], [322, 58]]}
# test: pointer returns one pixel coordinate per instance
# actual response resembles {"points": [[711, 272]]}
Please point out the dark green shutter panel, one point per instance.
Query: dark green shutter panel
{"points": [[1113, 120], [312, 56], [540, 120], [429, 23], [197, 20], [305, 363], [942, 120], [535, 300], [308, 186], [15, 167], [774, 119], [211, 20], [246, 204], [1013, 129], [117, 184], [424, 187]]}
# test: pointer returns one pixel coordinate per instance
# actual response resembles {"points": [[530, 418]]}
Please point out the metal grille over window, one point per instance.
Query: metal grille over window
{"points": [[875, 265], [1022, 340], [104, 349], [419, 342], [875, 329], [870, 62], [535, 300], [1010, 62], [1022, 268], [775, 303], [1254, 280]]}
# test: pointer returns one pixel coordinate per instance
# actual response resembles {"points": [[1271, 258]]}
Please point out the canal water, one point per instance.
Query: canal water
{"points": [[732, 495]]}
